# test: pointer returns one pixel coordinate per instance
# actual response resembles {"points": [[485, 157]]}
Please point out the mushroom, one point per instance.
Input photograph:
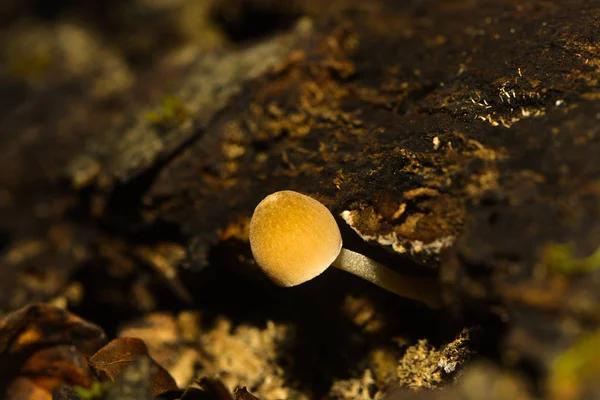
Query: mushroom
{"points": [[295, 238]]}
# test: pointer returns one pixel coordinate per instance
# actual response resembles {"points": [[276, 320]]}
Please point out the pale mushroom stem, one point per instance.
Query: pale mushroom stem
{"points": [[422, 289]]}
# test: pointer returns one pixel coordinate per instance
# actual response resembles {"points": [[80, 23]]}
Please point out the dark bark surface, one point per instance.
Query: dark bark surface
{"points": [[461, 139]]}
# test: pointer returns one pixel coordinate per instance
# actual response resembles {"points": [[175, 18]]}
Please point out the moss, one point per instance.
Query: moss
{"points": [[30, 66], [172, 113], [96, 391], [576, 368], [558, 257]]}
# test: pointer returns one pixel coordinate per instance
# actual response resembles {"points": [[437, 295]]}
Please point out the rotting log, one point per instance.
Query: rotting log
{"points": [[468, 146]]}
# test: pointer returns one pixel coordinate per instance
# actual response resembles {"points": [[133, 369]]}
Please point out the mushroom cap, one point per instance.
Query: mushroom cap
{"points": [[293, 237]]}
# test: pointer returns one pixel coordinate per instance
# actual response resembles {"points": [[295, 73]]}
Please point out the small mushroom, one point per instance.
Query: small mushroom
{"points": [[294, 238]]}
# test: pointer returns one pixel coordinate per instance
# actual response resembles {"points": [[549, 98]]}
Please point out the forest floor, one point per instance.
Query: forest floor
{"points": [[454, 140]]}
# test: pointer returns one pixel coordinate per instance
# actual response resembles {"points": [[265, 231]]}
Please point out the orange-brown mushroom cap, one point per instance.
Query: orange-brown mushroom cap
{"points": [[293, 237]]}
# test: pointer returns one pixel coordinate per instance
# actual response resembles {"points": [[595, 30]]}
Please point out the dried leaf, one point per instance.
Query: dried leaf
{"points": [[112, 360], [243, 394], [164, 334], [194, 393], [58, 365], [47, 344], [23, 388], [215, 389], [135, 381], [43, 325]]}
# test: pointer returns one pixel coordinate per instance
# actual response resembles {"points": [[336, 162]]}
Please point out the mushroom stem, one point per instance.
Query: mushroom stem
{"points": [[422, 289]]}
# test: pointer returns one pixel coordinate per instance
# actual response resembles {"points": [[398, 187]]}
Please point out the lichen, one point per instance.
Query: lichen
{"points": [[425, 367], [363, 388], [419, 368]]}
